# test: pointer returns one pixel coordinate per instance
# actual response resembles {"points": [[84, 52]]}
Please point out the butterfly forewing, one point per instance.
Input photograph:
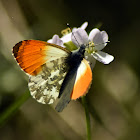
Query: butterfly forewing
{"points": [[83, 80], [46, 66], [32, 54]]}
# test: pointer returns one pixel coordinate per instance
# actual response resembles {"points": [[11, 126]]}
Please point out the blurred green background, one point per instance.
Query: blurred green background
{"points": [[114, 93]]}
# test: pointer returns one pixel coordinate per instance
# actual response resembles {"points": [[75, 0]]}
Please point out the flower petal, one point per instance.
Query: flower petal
{"points": [[49, 41], [56, 40], [103, 57], [79, 37], [84, 25], [97, 37], [94, 33], [104, 36], [90, 59], [66, 38]]}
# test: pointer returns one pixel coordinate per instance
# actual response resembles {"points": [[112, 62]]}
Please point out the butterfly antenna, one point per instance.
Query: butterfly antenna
{"points": [[73, 34], [102, 43]]}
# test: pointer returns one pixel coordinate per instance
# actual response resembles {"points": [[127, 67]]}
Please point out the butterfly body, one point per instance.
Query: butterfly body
{"points": [[54, 72], [73, 61]]}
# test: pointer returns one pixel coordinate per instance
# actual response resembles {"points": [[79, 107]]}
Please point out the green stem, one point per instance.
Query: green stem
{"points": [[87, 118], [13, 107]]}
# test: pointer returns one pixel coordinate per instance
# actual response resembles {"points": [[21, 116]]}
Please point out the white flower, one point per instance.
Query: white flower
{"points": [[67, 37], [95, 42], [56, 40]]}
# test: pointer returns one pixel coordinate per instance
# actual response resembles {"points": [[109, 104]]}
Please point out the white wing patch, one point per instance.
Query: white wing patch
{"points": [[54, 53], [45, 86], [81, 70]]}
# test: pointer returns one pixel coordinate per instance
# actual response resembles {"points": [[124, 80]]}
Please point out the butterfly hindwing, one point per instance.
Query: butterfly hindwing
{"points": [[45, 86]]}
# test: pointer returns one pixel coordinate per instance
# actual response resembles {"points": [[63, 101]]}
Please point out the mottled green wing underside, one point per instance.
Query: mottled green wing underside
{"points": [[45, 86]]}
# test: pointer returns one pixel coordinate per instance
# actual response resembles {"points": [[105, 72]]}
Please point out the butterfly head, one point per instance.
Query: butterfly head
{"points": [[82, 49]]}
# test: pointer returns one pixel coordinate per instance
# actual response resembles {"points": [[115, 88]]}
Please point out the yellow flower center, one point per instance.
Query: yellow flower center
{"points": [[90, 47]]}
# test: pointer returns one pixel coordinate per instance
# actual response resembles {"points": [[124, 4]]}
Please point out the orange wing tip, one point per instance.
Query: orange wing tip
{"points": [[16, 48], [83, 80], [30, 55]]}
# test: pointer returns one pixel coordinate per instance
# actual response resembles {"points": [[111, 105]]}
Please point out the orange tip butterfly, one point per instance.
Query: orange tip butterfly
{"points": [[54, 72]]}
